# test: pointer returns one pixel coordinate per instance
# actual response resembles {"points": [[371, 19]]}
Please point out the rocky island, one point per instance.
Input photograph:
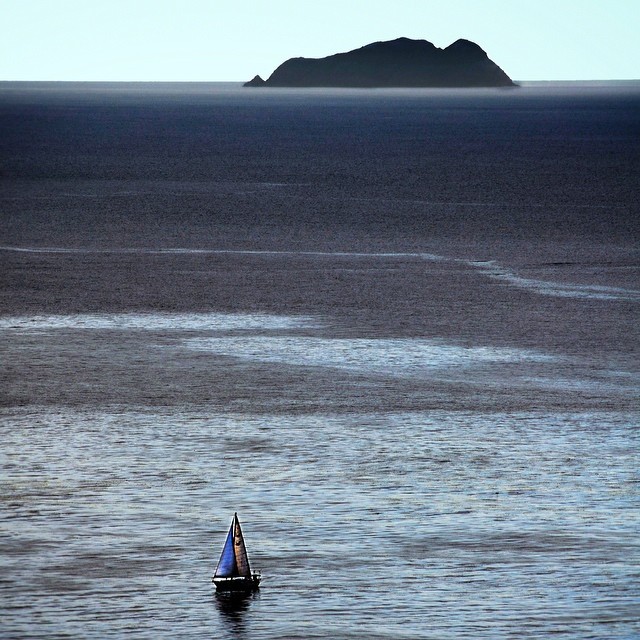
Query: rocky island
{"points": [[395, 63]]}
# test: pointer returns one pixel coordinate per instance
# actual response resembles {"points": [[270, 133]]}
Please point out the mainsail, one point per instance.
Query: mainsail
{"points": [[242, 559], [233, 560]]}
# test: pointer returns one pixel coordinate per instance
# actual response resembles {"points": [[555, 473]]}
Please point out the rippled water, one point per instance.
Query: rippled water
{"points": [[360, 322], [474, 524]]}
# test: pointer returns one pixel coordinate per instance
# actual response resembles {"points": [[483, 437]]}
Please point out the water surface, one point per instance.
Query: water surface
{"points": [[397, 331]]}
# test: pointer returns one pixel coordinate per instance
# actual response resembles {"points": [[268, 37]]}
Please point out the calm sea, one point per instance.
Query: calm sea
{"points": [[397, 331]]}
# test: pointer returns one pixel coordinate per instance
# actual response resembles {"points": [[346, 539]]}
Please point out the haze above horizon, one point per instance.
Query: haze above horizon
{"points": [[201, 40]]}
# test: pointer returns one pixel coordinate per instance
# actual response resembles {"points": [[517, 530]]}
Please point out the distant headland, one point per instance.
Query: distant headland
{"points": [[395, 63]]}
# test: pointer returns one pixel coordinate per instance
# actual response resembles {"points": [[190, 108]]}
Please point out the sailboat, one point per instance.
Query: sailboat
{"points": [[233, 572]]}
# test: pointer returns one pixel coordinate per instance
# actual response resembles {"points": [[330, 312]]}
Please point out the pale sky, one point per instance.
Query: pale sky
{"points": [[233, 40]]}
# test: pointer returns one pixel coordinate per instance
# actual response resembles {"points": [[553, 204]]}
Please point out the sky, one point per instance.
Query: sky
{"points": [[233, 40]]}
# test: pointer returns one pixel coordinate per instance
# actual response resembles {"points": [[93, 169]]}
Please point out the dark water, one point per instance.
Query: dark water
{"points": [[397, 331]]}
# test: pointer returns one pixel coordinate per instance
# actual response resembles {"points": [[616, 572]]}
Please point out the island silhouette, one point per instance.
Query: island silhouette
{"points": [[395, 63]]}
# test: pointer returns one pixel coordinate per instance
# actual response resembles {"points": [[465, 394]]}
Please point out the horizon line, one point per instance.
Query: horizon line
{"points": [[96, 81]]}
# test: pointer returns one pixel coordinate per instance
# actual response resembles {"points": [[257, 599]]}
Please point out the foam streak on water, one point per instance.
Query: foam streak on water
{"points": [[490, 268]]}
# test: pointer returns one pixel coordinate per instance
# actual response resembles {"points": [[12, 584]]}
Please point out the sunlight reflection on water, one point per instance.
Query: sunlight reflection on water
{"points": [[156, 321], [392, 356]]}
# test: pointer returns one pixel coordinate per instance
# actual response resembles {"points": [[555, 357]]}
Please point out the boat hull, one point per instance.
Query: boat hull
{"points": [[237, 583]]}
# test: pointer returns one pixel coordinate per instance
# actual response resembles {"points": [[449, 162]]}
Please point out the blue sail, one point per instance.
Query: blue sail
{"points": [[227, 564]]}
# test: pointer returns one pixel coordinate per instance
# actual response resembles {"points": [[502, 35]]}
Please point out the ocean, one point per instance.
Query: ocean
{"points": [[397, 331]]}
